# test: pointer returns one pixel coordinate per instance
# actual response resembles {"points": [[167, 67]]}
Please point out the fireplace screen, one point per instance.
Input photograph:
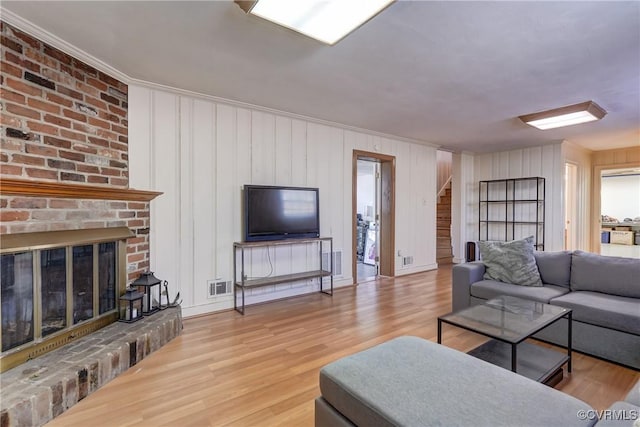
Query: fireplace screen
{"points": [[17, 299], [55, 290], [82, 283], [107, 282], [53, 273]]}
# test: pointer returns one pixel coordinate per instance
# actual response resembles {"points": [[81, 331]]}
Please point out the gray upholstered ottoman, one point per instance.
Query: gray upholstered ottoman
{"points": [[409, 381]]}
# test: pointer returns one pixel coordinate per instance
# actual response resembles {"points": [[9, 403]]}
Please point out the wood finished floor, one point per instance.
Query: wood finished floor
{"points": [[261, 369]]}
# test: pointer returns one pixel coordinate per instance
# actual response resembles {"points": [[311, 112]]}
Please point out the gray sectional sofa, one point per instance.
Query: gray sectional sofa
{"points": [[603, 292], [409, 381]]}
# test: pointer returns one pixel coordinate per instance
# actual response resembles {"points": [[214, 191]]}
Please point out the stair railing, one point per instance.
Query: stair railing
{"points": [[444, 187]]}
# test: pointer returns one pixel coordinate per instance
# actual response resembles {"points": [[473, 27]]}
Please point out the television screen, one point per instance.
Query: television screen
{"points": [[274, 213]]}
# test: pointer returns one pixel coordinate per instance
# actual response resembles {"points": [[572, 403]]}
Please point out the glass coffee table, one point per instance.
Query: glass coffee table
{"points": [[509, 321]]}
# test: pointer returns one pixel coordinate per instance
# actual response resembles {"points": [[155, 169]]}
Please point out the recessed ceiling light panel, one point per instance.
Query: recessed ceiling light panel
{"points": [[325, 20], [565, 116]]}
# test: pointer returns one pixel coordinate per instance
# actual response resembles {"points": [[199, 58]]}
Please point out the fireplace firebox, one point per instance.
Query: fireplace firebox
{"points": [[56, 287]]}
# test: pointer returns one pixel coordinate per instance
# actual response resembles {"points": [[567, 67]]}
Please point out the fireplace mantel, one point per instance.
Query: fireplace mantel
{"points": [[19, 187]]}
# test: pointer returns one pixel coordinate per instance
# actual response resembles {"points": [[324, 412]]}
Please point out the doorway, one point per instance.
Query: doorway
{"points": [[620, 212], [367, 219], [373, 213]]}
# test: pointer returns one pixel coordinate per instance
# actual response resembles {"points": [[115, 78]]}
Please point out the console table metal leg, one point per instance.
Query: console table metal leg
{"points": [[569, 341], [243, 300], [235, 279], [331, 263], [439, 331], [514, 357]]}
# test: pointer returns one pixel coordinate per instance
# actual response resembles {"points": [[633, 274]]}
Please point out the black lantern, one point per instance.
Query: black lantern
{"points": [[130, 309], [150, 285]]}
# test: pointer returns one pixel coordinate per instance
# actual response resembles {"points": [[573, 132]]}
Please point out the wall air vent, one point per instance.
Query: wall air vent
{"points": [[337, 262], [218, 288]]}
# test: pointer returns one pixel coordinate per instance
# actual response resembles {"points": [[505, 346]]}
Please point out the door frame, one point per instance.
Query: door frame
{"points": [[571, 203], [596, 208], [387, 208]]}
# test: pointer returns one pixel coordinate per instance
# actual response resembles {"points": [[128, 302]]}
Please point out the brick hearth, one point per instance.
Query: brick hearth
{"points": [[41, 389]]}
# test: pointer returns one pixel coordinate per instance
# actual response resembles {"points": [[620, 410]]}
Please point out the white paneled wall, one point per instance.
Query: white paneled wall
{"points": [[200, 152], [543, 161], [462, 204]]}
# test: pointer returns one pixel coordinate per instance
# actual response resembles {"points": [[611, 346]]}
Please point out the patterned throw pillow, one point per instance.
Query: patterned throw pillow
{"points": [[510, 262]]}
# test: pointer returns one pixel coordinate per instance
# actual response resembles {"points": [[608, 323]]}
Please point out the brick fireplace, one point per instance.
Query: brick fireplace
{"points": [[64, 160], [64, 168]]}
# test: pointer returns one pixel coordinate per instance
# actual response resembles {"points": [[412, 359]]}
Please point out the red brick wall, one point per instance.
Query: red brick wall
{"points": [[64, 121]]}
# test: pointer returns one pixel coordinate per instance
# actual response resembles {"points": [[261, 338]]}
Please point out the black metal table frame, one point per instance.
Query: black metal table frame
{"points": [[274, 280], [514, 345]]}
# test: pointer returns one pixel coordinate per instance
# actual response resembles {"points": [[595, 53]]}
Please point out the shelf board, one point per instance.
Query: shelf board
{"points": [[263, 243], [513, 201], [529, 178], [533, 361], [511, 222], [621, 224], [274, 280], [18, 187]]}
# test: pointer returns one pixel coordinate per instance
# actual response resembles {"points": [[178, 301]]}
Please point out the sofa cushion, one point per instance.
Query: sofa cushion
{"points": [[510, 262], [554, 267], [488, 289], [409, 381], [620, 414], [609, 311], [607, 274], [633, 396]]}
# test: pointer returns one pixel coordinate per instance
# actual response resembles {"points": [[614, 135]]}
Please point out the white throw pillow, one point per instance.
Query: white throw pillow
{"points": [[510, 262]]}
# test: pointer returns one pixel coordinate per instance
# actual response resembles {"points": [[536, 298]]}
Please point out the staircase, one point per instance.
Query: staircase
{"points": [[444, 255]]}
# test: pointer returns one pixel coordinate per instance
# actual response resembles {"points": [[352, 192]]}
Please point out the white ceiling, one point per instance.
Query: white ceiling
{"points": [[451, 73]]}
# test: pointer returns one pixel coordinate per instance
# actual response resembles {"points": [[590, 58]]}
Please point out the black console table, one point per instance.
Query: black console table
{"points": [[244, 282]]}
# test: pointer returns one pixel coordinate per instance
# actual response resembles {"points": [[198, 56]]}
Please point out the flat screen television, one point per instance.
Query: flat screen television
{"points": [[277, 213]]}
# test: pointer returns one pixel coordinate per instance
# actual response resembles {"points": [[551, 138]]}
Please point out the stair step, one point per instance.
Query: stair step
{"points": [[444, 252]]}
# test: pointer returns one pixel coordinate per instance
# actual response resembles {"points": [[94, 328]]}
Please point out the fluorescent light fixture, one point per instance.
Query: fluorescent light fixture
{"points": [[565, 116], [325, 20]]}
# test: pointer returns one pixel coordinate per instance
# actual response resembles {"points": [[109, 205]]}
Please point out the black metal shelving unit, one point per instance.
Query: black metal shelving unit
{"points": [[512, 209]]}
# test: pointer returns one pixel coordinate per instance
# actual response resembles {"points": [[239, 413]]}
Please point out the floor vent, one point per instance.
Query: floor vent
{"points": [[218, 288], [337, 262]]}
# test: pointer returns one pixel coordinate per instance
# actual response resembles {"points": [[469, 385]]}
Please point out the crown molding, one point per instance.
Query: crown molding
{"points": [[262, 109], [55, 41]]}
